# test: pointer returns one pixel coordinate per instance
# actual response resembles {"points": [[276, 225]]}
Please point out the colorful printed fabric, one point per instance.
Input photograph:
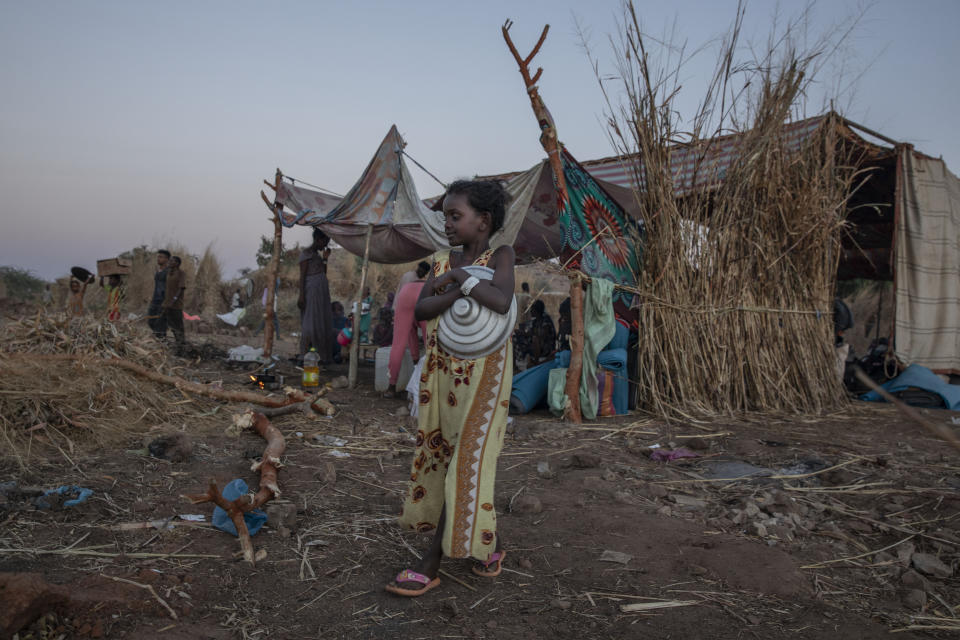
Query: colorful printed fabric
{"points": [[588, 213], [462, 421], [113, 302]]}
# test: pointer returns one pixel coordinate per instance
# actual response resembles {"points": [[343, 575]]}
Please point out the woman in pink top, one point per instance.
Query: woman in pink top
{"points": [[404, 331]]}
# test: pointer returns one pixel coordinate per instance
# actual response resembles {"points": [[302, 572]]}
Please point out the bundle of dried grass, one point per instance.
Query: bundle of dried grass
{"points": [[69, 406], [49, 333], [739, 269]]}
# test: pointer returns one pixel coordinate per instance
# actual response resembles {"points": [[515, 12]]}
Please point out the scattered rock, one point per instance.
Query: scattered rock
{"points": [[654, 491], [524, 563], [561, 604], [585, 460], [544, 470], [783, 532], [914, 598], [688, 503], [697, 570], [527, 504], [402, 412], [931, 565], [751, 509], [913, 580], [754, 620], [283, 532], [904, 553], [615, 556], [759, 529], [839, 477], [665, 511], [492, 624], [697, 444], [281, 513], [450, 608], [594, 483], [609, 476], [175, 447], [339, 382]]}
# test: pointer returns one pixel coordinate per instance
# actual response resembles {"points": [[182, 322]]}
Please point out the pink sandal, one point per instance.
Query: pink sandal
{"points": [[495, 558], [412, 576]]}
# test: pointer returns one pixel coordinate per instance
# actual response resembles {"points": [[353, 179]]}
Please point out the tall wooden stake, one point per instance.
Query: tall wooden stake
{"points": [[272, 268], [551, 144], [355, 340], [574, 371]]}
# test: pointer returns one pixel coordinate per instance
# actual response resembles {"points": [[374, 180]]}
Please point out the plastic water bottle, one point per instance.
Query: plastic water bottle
{"points": [[311, 369]]}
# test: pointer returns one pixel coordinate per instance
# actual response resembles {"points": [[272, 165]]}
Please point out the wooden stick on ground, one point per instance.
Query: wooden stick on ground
{"points": [[940, 431], [269, 488], [184, 385]]}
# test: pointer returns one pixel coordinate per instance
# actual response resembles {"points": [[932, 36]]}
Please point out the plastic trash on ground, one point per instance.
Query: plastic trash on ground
{"points": [[245, 353], [254, 519]]}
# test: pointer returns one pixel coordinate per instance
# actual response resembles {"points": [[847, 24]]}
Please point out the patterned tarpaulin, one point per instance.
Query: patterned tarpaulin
{"points": [[600, 238]]}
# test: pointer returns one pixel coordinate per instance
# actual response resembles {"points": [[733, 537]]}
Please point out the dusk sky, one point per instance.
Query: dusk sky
{"points": [[127, 123]]}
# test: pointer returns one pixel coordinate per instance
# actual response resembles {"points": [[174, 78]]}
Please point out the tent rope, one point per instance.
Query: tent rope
{"points": [[424, 169], [295, 180]]}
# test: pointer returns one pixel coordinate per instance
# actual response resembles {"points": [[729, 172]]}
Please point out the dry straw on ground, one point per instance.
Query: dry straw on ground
{"points": [[61, 407], [739, 272]]}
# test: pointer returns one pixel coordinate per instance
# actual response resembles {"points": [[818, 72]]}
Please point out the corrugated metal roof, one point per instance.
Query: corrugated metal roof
{"points": [[692, 165]]}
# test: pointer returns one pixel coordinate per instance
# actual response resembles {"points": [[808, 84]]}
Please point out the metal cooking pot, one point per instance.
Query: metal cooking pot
{"points": [[469, 330]]}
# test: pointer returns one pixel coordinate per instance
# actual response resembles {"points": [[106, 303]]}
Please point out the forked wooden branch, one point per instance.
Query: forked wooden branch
{"points": [[269, 487]]}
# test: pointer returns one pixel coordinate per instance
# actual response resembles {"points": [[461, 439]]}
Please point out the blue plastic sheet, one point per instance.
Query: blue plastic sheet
{"points": [[922, 378], [81, 496], [254, 519]]}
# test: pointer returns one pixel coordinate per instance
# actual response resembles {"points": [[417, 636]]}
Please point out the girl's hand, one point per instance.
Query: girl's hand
{"points": [[326, 254], [459, 275], [443, 282]]}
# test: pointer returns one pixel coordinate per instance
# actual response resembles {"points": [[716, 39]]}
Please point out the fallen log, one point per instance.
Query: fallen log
{"points": [[269, 487], [292, 395]]}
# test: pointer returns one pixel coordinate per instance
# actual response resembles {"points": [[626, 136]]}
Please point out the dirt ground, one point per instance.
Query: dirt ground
{"points": [[848, 526]]}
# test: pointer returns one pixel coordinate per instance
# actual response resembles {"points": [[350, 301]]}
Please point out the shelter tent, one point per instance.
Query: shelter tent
{"points": [[384, 199]]}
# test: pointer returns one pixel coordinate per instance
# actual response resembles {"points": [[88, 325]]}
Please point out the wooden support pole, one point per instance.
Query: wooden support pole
{"points": [[355, 339], [268, 314], [572, 388]]}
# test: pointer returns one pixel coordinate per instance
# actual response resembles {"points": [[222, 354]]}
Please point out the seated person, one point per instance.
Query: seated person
{"points": [[383, 332], [543, 336]]}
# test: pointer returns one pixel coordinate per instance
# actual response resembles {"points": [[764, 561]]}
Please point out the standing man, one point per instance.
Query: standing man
{"points": [[155, 316], [173, 300]]}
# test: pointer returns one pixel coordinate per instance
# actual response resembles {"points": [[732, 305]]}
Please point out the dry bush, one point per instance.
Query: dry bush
{"points": [[205, 297], [739, 271]]}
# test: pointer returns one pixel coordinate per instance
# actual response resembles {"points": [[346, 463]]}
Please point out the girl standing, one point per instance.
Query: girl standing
{"points": [[463, 403]]}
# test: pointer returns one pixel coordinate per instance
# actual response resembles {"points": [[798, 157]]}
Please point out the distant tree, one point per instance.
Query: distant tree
{"points": [[265, 252], [20, 283]]}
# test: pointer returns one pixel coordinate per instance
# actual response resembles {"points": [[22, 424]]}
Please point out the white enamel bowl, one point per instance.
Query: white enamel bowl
{"points": [[468, 330]]}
